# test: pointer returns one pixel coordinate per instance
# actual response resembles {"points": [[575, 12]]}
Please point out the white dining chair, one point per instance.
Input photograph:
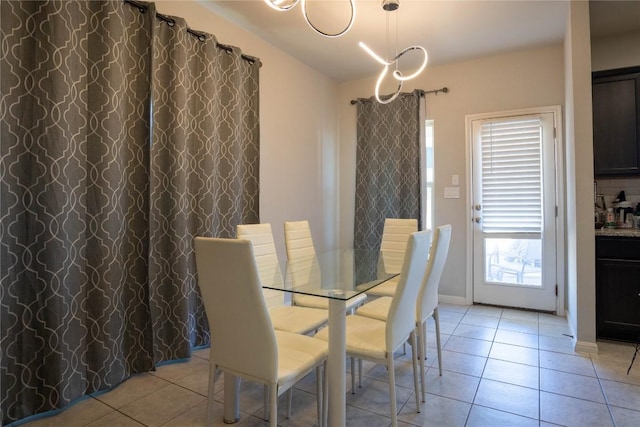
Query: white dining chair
{"points": [[243, 340], [427, 301], [299, 245], [284, 317], [395, 234], [377, 340]]}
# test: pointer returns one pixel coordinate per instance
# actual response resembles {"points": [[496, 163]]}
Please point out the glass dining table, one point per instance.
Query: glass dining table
{"points": [[337, 276]]}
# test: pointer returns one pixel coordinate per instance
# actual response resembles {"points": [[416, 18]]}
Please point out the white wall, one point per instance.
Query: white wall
{"points": [[579, 154], [615, 52], [530, 78], [571, 257], [298, 129]]}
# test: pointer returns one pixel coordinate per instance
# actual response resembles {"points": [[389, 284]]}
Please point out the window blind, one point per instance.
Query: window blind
{"points": [[512, 175]]}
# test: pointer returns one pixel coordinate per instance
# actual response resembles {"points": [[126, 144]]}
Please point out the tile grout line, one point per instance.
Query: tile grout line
{"points": [[113, 410], [606, 398], [482, 376], [539, 377], [466, 421]]}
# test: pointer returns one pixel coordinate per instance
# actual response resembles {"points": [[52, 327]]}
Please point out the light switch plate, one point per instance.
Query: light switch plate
{"points": [[455, 180], [451, 192]]}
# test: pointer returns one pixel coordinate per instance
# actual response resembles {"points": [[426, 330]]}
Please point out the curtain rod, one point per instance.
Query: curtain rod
{"points": [[420, 93], [142, 7]]}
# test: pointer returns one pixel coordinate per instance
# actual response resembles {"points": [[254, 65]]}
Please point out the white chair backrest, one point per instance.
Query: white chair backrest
{"points": [[393, 244], [264, 250], [301, 254], [298, 239], [428, 295], [242, 336], [401, 317]]}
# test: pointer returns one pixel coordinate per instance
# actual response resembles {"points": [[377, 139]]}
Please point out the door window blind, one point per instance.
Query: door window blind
{"points": [[512, 175]]}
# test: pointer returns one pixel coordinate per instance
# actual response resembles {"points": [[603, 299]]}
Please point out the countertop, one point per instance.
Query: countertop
{"points": [[618, 232]]}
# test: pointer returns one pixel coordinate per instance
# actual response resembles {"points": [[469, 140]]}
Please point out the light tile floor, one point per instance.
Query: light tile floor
{"points": [[502, 367]]}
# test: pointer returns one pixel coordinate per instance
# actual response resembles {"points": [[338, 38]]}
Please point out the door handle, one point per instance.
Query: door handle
{"points": [[477, 220]]}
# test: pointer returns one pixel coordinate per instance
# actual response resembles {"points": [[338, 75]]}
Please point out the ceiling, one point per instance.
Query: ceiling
{"points": [[450, 30]]}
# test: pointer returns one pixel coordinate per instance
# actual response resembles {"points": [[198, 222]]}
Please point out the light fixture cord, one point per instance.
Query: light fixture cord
{"points": [[388, 47], [397, 31]]}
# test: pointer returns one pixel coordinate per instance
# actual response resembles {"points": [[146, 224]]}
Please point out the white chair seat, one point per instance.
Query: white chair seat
{"points": [[385, 289], [323, 303], [376, 309], [427, 302], [243, 341], [365, 337], [297, 353], [375, 340], [301, 320]]}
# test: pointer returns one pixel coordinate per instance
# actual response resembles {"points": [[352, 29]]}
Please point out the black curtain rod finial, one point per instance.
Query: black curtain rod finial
{"points": [[443, 90]]}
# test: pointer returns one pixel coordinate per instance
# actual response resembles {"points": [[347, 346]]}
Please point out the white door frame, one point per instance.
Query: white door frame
{"points": [[560, 197]]}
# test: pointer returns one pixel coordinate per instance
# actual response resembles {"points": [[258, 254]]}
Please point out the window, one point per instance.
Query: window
{"points": [[512, 175], [427, 194]]}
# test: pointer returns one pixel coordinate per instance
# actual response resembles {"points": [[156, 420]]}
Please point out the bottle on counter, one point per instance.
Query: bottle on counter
{"points": [[610, 222], [629, 221]]}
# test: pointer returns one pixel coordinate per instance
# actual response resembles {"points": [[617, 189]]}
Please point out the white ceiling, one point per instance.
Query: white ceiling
{"points": [[450, 30]]}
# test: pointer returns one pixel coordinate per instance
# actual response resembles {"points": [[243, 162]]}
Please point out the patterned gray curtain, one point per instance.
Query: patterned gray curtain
{"points": [[73, 300], [204, 171], [95, 209], [387, 167]]}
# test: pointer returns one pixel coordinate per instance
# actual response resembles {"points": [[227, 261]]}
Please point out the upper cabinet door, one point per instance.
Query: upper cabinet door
{"points": [[616, 122]]}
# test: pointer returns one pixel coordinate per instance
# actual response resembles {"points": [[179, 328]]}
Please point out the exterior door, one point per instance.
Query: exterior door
{"points": [[514, 211]]}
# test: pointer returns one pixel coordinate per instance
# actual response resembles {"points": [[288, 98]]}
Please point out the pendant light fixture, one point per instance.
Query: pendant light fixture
{"points": [[286, 5], [390, 6]]}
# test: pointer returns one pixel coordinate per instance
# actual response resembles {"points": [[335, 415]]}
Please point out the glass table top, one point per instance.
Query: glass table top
{"points": [[338, 274]]}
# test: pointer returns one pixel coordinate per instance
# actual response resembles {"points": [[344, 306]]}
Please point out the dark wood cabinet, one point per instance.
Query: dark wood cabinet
{"points": [[618, 288], [616, 122]]}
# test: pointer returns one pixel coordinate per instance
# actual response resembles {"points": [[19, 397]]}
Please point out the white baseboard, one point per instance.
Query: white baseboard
{"points": [[580, 346], [448, 299], [585, 347]]}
